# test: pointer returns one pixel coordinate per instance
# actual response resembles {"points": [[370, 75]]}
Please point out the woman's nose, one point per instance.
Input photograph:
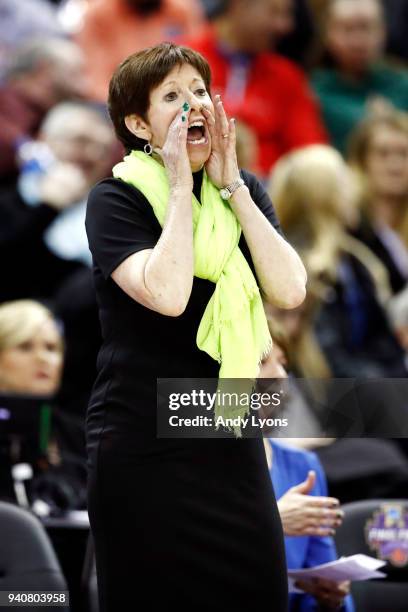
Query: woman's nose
{"points": [[194, 102], [42, 355]]}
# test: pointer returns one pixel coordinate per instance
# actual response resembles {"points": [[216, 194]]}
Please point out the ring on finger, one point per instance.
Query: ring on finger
{"points": [[225, 135]]}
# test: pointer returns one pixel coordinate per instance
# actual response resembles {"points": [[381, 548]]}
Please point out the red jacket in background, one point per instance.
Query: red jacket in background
{"points": [[276, 103], [112, 30], [19, 118]]}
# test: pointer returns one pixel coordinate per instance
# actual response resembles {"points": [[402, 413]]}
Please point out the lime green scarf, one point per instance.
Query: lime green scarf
{"points": [[233, 329]]}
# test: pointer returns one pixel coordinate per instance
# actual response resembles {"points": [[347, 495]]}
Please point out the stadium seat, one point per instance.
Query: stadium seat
{"points": [[378, 528], [27, 559]]}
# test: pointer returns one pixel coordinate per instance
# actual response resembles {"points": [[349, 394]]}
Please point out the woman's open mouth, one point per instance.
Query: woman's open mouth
{"points": [[197, 133]]}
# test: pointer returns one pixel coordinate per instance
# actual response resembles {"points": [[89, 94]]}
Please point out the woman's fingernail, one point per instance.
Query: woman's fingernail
{"points": [[183, 117], [186, 106]]}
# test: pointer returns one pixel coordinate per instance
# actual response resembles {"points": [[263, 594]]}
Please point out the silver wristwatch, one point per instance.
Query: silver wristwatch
{"points": [[226, 192]]}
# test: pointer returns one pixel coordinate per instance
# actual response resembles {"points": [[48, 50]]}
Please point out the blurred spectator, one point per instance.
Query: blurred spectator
{"points": [[20, 21], [396, 16], [350, 325], [114, 29], [397, 309], [264, 90], [247, 147], [42, 231], [298, 478], [356, 468], [296, 408], [396, 12], [40, 74], [356, 77], [297, 44], [76, 306], [31, 361], [305, 357], [31, 349], [42, 234], [379, 153]]}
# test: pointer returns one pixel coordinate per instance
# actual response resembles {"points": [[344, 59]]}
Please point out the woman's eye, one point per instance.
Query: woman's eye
{"points": [[201, 92], [25, 346], [51, 347], [172, 95]]}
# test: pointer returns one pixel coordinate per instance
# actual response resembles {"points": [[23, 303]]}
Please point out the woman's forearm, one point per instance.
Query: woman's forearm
{"points": [[280, 271], [169, 271]]}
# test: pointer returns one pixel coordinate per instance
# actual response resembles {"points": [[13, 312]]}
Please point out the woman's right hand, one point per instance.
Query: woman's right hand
{"points": [[174, 153], [302, 514]]}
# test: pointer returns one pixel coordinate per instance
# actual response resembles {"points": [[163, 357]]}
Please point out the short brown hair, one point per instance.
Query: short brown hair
{"points": [[135, 78]]}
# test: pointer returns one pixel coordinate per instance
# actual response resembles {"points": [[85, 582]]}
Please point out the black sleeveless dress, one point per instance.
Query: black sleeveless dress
{"points": [[189, 524]]}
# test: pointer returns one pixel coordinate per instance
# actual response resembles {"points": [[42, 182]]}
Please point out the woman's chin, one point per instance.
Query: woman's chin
{"points": [[43, 388], [198, 155]]}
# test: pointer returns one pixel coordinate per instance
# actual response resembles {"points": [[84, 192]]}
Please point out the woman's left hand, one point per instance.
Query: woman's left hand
{"points": [[222, 165]]}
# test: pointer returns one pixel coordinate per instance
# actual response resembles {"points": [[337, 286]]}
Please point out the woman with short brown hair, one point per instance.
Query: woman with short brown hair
{"points": [[180, 240]]}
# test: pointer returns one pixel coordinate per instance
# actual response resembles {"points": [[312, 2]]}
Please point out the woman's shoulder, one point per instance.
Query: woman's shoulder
{"points": [[111, 187], [119, 221], [112, 195]]}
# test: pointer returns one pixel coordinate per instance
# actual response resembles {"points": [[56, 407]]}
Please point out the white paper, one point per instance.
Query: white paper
{"points": [[355, 567]]}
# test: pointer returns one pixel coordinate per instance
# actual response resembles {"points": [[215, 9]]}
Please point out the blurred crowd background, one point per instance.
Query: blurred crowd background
{"points": [[319, 89]]}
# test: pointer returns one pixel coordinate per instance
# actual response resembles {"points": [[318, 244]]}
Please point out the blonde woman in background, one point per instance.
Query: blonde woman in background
{"points": [[342, 328], [379, 156], [294, 329], [31, 364], [314, 194], [31, 349]]}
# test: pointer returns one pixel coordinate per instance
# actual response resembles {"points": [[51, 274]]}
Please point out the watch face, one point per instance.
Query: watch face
{"points": [[225, 194]]}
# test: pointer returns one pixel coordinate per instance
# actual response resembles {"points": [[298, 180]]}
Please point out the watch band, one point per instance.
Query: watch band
{"points": [[226, 192]]}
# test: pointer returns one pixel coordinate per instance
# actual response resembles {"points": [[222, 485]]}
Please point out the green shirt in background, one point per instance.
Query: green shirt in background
{"points": [[344, 102]]}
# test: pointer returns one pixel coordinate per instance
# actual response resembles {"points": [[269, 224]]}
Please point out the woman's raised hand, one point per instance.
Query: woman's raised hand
{"points": [[174, 153], [222, 165]]}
